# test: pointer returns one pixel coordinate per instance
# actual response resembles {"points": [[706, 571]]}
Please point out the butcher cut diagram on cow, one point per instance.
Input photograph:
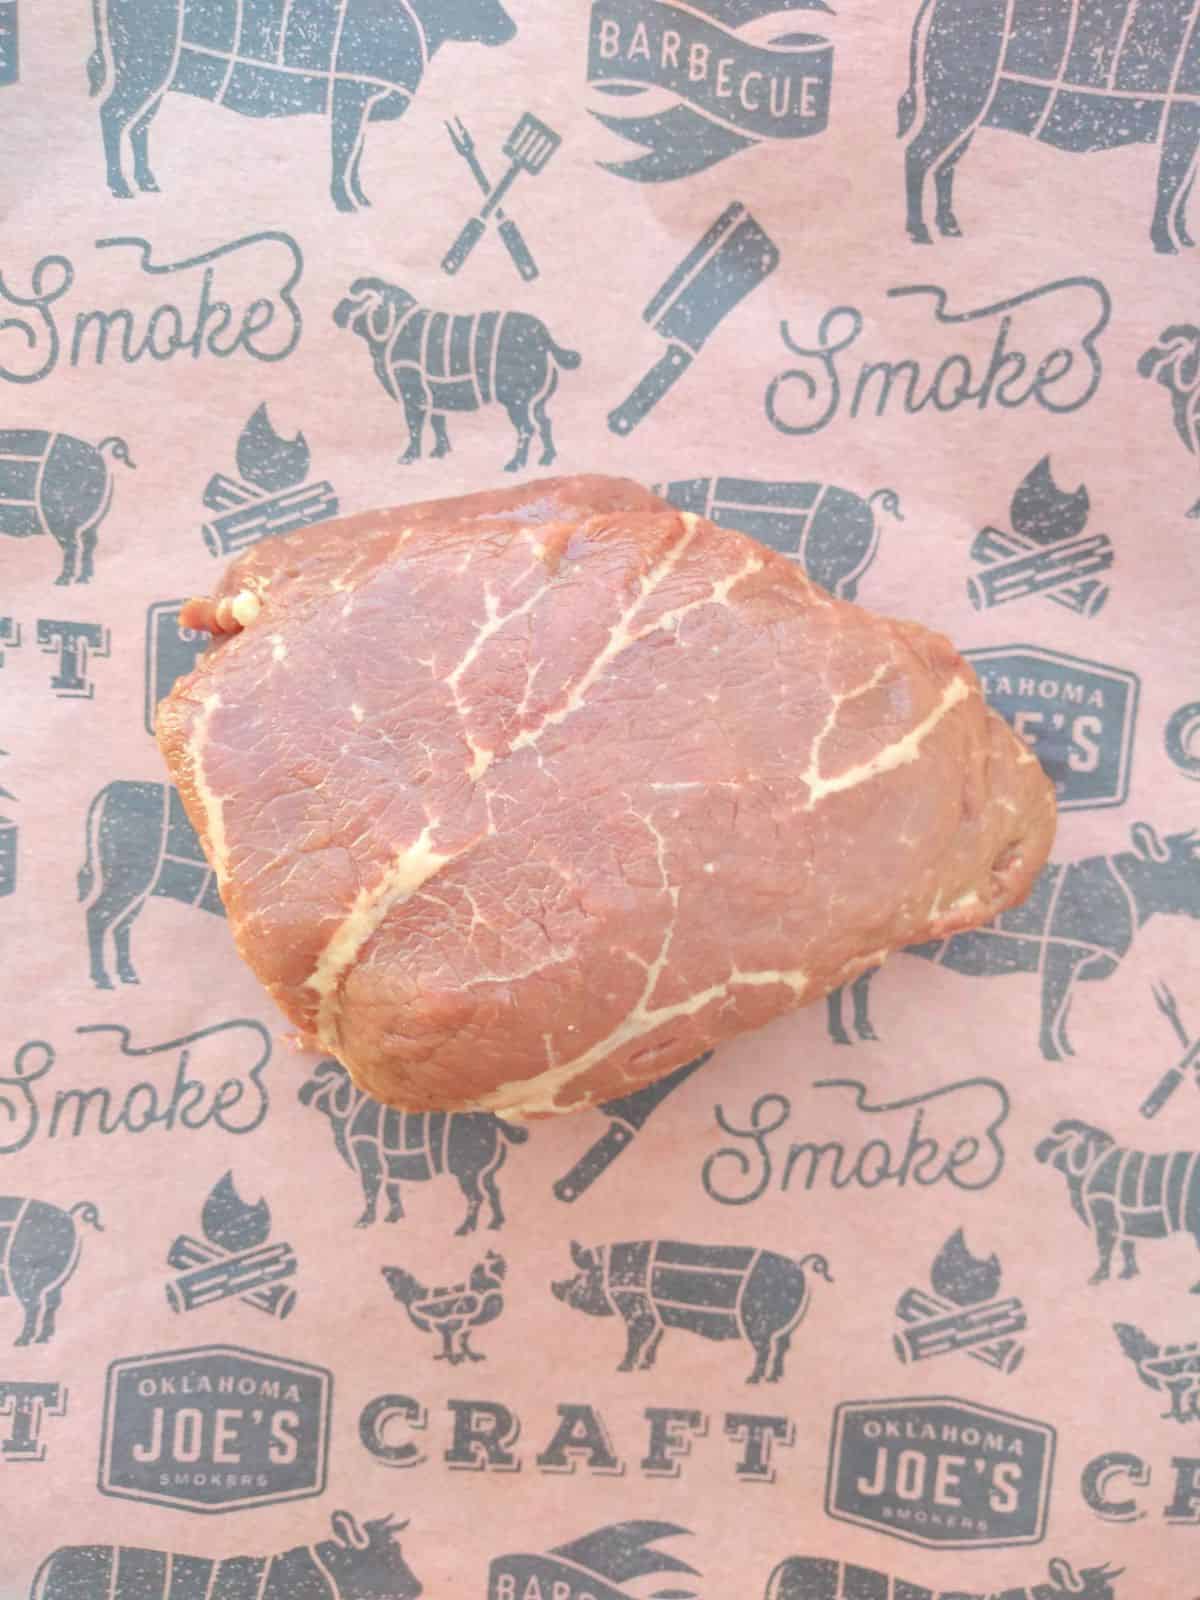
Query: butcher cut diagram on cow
{"points": [[717, 1291], [39, 1252], [53, 483], [1076, 926], [431, 362], [1124, 1196], [825, 1578], [138, 838], [387, 1147], [363, 1561], [352, 61], [1081, 75]]}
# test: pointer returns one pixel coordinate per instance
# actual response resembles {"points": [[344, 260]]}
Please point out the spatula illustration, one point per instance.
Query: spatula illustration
{"points": [[528, 148]]}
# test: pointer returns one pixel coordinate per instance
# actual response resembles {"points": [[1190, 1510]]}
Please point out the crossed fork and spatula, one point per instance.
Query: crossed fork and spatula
{"points": [[528, 148]]}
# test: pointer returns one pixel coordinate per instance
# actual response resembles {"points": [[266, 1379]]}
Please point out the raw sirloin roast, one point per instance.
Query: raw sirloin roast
{"points": [[520, 800]]}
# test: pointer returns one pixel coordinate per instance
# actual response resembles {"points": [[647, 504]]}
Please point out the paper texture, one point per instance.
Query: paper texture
{"points": [[893, 1299]]}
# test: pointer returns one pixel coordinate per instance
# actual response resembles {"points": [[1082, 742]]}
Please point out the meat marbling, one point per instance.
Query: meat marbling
{"points": [[519, 800]]}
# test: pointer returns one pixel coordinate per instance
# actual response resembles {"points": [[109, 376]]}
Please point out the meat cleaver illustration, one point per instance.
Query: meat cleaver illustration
{"points": [[734, 257], [628, 1114]]}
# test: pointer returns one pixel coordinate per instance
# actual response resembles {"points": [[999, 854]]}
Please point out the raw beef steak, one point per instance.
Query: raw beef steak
{"points": [[519, 800]]}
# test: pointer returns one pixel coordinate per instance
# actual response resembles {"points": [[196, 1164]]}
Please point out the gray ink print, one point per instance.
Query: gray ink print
{"points": [[728, 93], [1174, 361], [511, 236], [1047, 553], [1182, 739], [964, 1314], [271, 496], [593, 1567], [138, 837], [832, 533], [171, 651], [216, 1428], [451, 1312], [1173, 1370], [24, 1406], [431, 362], [1076, 926], [52, 483], [75, 645], [1124, 1196], [1079, 716], [8, 846], [897, 1466], [626, 1115], [1080, 75], [822, 1578], [717, 1291], [9, 43], [234, 1260], [361, 1560], [348, 60], [1189, 1061], [528, 148], [388, 1148], [39, 1252], [734, 256]]}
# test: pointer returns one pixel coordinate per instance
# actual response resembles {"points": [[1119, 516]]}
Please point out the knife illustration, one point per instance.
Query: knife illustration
{"points": [[628, 1114], [732, 258]]}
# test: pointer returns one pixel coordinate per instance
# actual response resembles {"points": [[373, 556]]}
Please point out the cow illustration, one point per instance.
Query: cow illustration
{"points": [[360, 1562], [1124, 1195], [1081, 75], [39, 1250], [387, 1147], [52, 483], [432, 362], [831, 532], [1077, 924], [1174, 361], [353, 61], [718, 1291], [818, 1578], [140, 836]]}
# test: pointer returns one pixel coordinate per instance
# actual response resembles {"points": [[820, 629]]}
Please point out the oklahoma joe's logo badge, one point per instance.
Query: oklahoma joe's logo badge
{"points": [[214, 1429], [1078, 715], [938, 1472]]}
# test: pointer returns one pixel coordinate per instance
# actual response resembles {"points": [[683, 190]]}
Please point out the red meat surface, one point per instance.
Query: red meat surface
{"points": [[520, 800]]}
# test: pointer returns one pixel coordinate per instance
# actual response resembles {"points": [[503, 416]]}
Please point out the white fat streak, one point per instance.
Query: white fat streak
{"points": [[539, 1096], [246, 607], [278, 648], [357, 713], [621, 636], [407, 871], [895, 755], [481, 756], [214, 806]]}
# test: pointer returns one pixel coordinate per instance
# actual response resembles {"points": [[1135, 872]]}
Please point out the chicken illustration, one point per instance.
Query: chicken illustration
{"points": [[453, 1310], [1174, 1368]]}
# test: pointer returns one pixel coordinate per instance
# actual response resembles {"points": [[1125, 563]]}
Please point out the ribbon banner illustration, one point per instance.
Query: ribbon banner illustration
{"points": [[729, 92]]}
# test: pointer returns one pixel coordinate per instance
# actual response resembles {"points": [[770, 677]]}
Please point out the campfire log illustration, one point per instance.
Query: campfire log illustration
{"points": [[964, 1312], [1047, 553], [272, 499], [237, 1262]]}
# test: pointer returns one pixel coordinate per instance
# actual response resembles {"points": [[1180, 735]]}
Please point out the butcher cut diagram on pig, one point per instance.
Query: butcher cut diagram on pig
{"points": [[351, 61], [717, 1291], [139, 841], [55, 484], [39, 1252], [1076, 926], [831, 532], [1081, 75], [387, 1148], [431, 362]]}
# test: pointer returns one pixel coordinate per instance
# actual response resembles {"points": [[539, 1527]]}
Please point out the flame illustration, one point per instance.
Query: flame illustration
{"points": [[229, 1222], [1043, 512], [267, 460], [959, 1276]]}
